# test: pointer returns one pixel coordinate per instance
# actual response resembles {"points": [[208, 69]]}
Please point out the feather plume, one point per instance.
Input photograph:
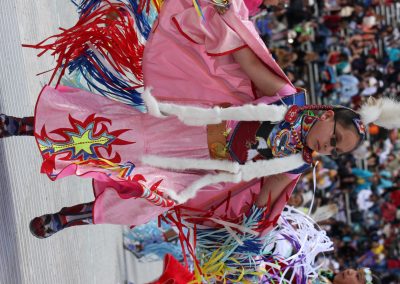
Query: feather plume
{"points": [[325, 212], [383, 112]]}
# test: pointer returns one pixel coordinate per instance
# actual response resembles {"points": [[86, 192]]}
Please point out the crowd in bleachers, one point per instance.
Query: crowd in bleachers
{"points": [[345, 51]]}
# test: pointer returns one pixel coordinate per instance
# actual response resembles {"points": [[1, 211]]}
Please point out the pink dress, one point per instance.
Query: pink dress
{"points": [[188, 61], [185, 62]]}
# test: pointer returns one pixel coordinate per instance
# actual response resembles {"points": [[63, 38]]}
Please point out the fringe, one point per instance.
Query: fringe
{"points": [[228, 254], [104, 47], [231, 250], [85, 6], [144, 18], [307, 239]]}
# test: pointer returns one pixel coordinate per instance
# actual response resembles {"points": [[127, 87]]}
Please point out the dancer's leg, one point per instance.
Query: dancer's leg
{"points": [[49, 224], [16, 126]]}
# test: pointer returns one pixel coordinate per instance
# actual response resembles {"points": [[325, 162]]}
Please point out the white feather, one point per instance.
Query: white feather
{"points": [[190, 164], [325, 212], [384, 112]]}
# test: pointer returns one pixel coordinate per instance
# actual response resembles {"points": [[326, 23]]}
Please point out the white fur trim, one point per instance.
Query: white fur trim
{"points": [[190, 164], [191, 115], [260, 112], [233, 172], [264, 168], [206, 180], [151, 103], [384, 112]]}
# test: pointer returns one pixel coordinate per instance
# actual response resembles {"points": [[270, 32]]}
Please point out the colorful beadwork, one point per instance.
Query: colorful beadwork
{"points": [[297, 132], [83, 141]]}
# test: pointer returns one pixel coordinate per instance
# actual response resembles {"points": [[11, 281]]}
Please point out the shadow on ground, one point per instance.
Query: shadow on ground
{"points": [[9, 259]]}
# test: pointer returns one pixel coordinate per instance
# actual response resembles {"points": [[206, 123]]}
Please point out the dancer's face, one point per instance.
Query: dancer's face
{"points": [[320, 136], [350, 276]]}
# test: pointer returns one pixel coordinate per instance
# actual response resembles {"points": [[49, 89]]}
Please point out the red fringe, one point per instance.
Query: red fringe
{"points": [[110, 30], [204, 216], [146, 4]]}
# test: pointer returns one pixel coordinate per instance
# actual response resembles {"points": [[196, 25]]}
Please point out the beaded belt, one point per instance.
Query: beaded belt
{"points": [[216, 140]]}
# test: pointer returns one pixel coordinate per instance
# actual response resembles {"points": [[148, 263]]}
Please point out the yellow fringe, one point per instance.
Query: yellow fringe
{"points": [[215, 269]]}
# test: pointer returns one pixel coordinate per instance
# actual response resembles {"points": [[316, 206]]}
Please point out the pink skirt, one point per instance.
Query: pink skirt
{"points": [[86, 135]]}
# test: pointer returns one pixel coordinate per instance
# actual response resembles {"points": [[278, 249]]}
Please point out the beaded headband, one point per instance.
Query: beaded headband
{"points": [[382, 112], [360, 128], [294, 110]]}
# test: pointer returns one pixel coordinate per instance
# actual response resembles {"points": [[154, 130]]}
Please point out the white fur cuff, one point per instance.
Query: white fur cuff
{"points": [[192, 115]]}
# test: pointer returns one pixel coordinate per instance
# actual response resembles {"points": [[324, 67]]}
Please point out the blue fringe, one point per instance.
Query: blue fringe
{"points": [[109, 86], [143, 20], [209, 240], [85, 5], [108, 83], [151, 239]]}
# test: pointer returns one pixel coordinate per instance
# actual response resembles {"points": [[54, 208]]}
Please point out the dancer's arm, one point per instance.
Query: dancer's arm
{"points": [[273, 185], [265, 80]]}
